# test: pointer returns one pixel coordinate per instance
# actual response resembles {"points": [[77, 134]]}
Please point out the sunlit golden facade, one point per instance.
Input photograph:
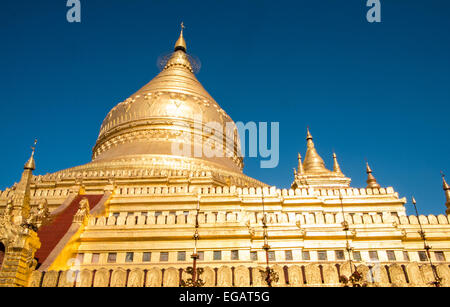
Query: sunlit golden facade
{"points": [[128, 217]]}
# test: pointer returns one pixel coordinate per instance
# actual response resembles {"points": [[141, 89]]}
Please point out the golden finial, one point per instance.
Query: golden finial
{"points": [[371, 181], [313, 162], [414, 201], [300, 164], [30, 163], [446, 188], [444, 182], [181, 43], [308, 134], [336, 167], [368, 169]]}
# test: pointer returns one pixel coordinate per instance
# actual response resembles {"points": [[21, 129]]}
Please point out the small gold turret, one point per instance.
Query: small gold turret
{"points": [[446, 188], [336, 167], [21, 199], [371, 181], [300, 165], [309, 136], [313, 162], [31, 165], [181, 43]]}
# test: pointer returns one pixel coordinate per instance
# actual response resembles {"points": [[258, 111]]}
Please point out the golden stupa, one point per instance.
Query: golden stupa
{"points": [[140, 215]]}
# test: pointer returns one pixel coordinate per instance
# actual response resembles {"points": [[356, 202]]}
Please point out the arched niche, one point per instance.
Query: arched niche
{"points": [[2, 254]]}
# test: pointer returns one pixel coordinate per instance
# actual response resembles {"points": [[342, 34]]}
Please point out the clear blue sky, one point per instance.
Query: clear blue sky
{"points": [[375, 91]]}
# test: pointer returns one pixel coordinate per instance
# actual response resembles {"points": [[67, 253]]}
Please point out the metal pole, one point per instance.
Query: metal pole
{"points": [[346, 229], [266, 246], [437, 279], [194, 256]]}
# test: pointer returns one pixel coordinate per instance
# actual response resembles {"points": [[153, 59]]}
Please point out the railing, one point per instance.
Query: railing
{"points": [[308, 275]]}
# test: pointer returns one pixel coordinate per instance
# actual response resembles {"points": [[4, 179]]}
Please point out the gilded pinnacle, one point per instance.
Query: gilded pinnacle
{"points": [[30, 163], [371, 181], [180, 58], [368, 169], [181, 43], [313, 162], [308, 134], [336, 167], [300, 165], [446, 188]]}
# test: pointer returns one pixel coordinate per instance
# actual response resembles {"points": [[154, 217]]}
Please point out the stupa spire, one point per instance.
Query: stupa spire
{"points": [[179, 57], [181, 43], [336, 167], [300, 169], [31, 165], [308, 134], [446, 188], [371, 181], [21, 200], [313, 162]]}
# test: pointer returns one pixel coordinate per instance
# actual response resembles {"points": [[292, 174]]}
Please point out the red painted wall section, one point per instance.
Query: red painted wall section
{"points": [[2, 254], [51, 234]]}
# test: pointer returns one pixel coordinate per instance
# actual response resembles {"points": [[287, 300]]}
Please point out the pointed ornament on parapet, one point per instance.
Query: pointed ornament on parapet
{"points": [[446, 189], [300, 169], [336, 167], [18, 228], [445, 186], [22, 193], [31, 165], [371, 181], [313, 162]]}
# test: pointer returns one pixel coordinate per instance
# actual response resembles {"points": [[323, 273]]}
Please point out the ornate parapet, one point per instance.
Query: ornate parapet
{"points": [[296, 275], [20, 244]]}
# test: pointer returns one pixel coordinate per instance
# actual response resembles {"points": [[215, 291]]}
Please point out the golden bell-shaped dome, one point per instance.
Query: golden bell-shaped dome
{"points": [[173, 109]]}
